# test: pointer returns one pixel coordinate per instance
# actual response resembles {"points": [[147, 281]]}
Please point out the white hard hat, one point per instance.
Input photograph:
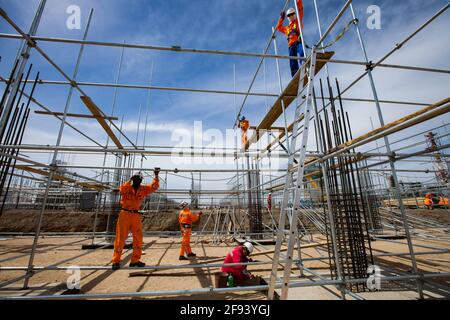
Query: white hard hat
{"points": [[138, 174], [290, 11], [183, 204], [249, 247]]}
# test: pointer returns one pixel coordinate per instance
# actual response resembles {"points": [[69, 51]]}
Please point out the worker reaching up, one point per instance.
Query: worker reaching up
{"points": [[186, 218], [244, 125], [292, 32], [133, 193]]}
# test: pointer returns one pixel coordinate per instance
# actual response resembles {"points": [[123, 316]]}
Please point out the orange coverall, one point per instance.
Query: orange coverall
{"points": [[292, 31], [244, 125], [443, 201], [186, 218], [428, 202], [131, 200]]}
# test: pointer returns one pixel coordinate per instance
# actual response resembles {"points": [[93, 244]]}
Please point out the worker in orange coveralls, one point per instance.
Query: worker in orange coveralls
{"points": [[292, 32], [428, 202], [133, 194], [443, 201], [244, 125], [186, 218]]}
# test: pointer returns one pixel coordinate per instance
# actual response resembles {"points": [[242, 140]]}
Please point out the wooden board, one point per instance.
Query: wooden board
{"points": [[97, 114], [59, 177], [288, 96], [74, 115]]}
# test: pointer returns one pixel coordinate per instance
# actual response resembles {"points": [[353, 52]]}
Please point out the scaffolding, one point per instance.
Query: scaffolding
{"points": [[335, 188]]}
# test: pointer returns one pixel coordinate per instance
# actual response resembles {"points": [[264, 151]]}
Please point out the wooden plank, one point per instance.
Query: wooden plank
{"points": [[271, 128], [59, 177], [74, 115], [288, 96], [96, 112]]}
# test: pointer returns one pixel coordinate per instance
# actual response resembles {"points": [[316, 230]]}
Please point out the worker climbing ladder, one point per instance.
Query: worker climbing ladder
{"points": [[304, 97]]}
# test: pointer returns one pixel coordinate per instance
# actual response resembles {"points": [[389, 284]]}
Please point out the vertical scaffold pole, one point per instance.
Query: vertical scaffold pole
{"points": [[391, 160], [53, 168]]}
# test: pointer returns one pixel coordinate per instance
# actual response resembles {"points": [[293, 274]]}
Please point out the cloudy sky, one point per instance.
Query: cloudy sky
{"points": [[233, 25]]}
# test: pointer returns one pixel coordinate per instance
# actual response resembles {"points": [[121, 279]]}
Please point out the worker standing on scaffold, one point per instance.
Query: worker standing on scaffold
{"points": [[133, 193], [292, 32], [244, 124]]}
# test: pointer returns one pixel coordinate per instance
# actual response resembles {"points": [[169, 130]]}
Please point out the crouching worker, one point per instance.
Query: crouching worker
{"points": [[133, 194], [186, 218], [242, 277]]}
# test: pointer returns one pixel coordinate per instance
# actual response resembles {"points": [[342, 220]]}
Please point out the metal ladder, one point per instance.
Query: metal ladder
{"points": [[286, 210]]}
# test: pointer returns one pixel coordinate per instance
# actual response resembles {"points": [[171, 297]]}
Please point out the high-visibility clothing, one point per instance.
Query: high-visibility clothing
{"points": [[186, 218], [428, 202], [132, 199], [131, 221], [239, 273], [443, 201], [244, 125], [292, 31]]}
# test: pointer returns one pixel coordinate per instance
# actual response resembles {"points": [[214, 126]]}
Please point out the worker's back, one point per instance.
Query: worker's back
{"points": [[236, 256], [131, 198]]}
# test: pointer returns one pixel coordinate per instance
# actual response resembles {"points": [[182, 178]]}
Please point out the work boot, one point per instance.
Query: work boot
{"points": [[182, 258], [116, 266], [138, 264], [191, 254]]}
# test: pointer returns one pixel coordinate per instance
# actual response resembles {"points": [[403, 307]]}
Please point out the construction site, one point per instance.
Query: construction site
{"points": [[337, 178]]}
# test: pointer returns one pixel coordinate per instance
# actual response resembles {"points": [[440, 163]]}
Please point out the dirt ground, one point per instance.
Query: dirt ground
{"points": [[66, 251]]}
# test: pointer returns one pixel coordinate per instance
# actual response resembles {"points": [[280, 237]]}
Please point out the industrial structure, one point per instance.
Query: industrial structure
{"points": [[333, 191]]}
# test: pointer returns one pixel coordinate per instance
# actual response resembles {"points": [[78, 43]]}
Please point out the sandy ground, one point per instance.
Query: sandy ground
{"points": [[57, 251]]}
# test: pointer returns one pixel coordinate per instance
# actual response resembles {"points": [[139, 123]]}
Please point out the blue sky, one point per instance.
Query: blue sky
{"points": [[236, 25]]}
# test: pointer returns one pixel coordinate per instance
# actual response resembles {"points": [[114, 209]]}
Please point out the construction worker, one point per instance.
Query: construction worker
{"points": [[443, 201], [269, 201], [292, 32], [428, 201], [186, 218], [133, 193], [242, 277], [244, 124]]}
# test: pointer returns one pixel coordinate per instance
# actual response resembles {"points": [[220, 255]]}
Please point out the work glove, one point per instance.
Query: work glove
{"points": [[156, 172], [283, 15]]}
